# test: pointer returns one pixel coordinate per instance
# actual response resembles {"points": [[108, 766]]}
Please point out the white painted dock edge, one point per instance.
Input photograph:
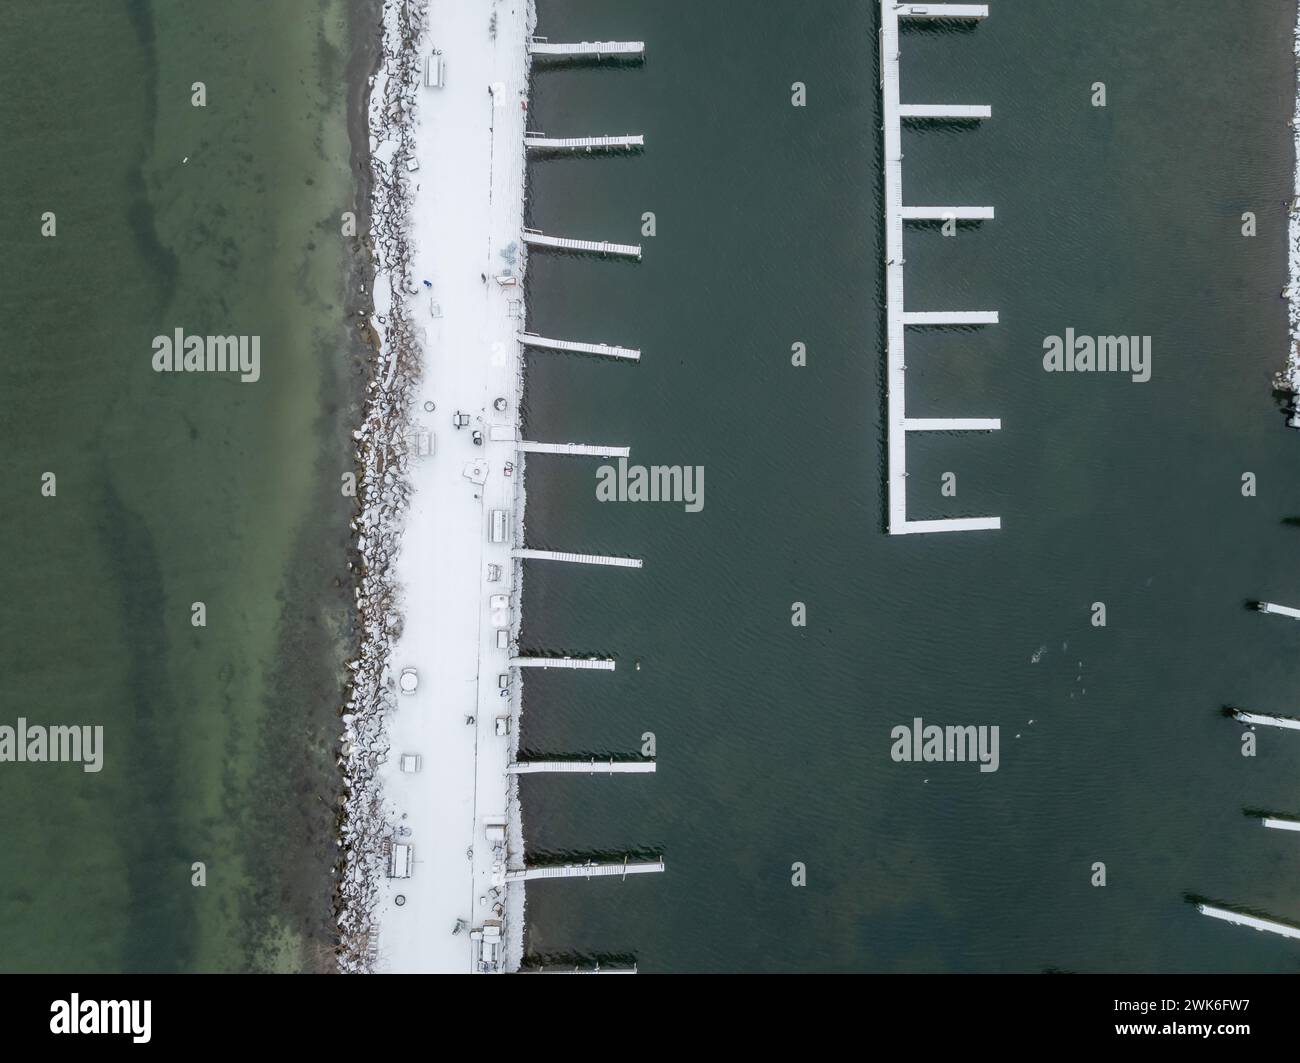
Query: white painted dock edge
{"points": [[945, 110], [947, 213]]}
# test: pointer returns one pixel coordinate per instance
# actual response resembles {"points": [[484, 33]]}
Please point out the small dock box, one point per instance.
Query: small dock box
{"points": [[434, 71], [399, 862], [499, 525]]}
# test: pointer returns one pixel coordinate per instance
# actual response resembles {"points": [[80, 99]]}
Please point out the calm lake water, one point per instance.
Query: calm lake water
{"points": [[773, 741], [175, 488]]}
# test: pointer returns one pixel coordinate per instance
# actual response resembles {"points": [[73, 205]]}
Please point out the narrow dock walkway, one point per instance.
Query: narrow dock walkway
{"points": [[598, 247], [945, 110], [946, 213], [952, 424], [537, 142], [896, 215], [598, 664], [578, 559], [1281, 823], [1255, 923], [582, 767], [531, 339], [598, 450], [950, 317], [593, 869], [1279, 610], [1262, 720], [541, 46]]}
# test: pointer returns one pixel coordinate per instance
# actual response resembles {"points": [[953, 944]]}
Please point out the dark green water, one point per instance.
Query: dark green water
{"points": [[773, 742], [174, 489]]}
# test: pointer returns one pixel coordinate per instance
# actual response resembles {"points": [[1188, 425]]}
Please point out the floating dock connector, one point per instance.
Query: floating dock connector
{"points": [[923, 318], [582, 767], [598, 247], [896, 215], [537, 142], [1281, 823], [595, 49], [599, 664], [1266, 721], [589, 870], [941, 11], [1285, 929], [1279, 610], [948, 214], [945, 110], [596, 450], [531, 339], [579, 559]]}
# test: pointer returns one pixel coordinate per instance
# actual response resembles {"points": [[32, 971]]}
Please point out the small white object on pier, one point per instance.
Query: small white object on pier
{"points": [[582, 767], [1281, 823], [541, 143], [600, 664], [950, 317], [932, 11], [531, 339], [1266, 721], [1279, 610], [589, 870], [946, 213], [579, 559], [599, 247], [1285, 929], [952, 424], [944, 110], [541, 46], [598, 450]]}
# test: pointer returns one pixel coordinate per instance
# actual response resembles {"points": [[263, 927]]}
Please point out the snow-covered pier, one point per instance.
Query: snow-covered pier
{"points": [[597, 247], [578, 559], [1281, 822], [531, 339], [1278, 610], [1228, 916], [598, 664], [594, 869], [899, 320], [596, 450], [1262, 720], [582, 767], [587, 49], [537, 142]]}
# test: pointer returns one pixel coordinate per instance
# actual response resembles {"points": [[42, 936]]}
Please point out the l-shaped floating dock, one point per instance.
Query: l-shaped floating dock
{"points": [[896, 214]]}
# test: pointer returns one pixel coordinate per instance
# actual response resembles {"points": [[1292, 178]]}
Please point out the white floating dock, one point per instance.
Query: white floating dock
{"points": [[895, 217], [599, 664], [1281, 823], [970, 111], [594, 449], [578, 559], [947, 214], [953, 524], [541, 143], [1266, 721], [590, 870], [582, 767], [599, 247], [541, 46], [1279, 610], [950, 317], [531, 339], [1285, 929], [935, 11], [952, 424]]}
